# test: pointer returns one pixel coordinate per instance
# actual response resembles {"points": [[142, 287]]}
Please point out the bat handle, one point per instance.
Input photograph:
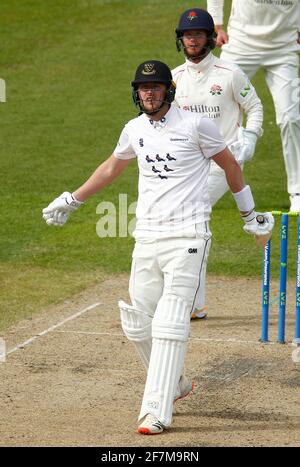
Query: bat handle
{"points": [[260, 218]]}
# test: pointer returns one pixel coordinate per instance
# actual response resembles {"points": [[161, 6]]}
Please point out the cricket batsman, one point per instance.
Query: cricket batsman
{"points": [[220, 90], [173, 149]]}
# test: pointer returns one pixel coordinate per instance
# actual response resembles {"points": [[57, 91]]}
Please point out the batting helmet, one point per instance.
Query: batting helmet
{"points": [[196, 18], [153, 71]]}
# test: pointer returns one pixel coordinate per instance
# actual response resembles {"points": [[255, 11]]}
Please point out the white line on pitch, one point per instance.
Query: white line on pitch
{"points": [[201, 339], [92, 333], [234, 341], [55, 326]]}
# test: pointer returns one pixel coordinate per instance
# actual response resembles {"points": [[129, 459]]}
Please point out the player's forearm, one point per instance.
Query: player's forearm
{"points": [[234, 177], [215, 8], [233, 173], [103, 176]]}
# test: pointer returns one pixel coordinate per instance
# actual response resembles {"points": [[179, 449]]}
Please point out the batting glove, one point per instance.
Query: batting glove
{"points": [[259, 224], [57, 212]]}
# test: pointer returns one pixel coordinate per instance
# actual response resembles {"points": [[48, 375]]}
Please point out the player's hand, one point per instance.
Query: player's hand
{"points": [[57, 212], [247, 140], [222, 38], [259, 224]]}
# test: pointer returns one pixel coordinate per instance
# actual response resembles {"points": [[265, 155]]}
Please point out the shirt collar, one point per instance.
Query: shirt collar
{"points": [[160, 124], [201, 66]]}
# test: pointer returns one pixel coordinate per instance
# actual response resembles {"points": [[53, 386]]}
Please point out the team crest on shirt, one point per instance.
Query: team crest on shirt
{"points": [[161, 166], [216, 90]]}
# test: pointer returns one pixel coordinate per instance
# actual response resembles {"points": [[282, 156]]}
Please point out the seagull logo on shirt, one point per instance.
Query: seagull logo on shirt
{"points": [[155, 170], [170, 158], [159, 167], [148, 159], [158, 158]]}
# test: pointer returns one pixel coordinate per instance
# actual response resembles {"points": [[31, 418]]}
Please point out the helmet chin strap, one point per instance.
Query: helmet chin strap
{"points": [[153, 112], [205, 51]]}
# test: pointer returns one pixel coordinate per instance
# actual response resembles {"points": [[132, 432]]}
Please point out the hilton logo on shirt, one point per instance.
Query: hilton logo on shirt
{"points": [[213, 111]]}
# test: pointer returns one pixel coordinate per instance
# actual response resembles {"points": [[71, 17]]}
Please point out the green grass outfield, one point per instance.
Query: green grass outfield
{"points": [[67, 65]]}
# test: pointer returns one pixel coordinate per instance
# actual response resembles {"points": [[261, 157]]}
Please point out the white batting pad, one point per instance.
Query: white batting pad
{"points": [[171, 319], [137, 328], [170, 330]]}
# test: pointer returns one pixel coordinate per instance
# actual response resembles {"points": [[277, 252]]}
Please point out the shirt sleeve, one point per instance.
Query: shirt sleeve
{"points": [[211, 141], [245, 94], [215, 8], [124, 149]]}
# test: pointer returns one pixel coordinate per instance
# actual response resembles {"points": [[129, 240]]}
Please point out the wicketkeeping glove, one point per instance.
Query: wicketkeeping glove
{"points": [[259, 224], [57, 212], [244, 148]]}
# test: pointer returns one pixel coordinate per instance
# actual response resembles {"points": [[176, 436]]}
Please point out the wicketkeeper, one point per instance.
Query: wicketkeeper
{"points": [[220, 90], [174, 150]]}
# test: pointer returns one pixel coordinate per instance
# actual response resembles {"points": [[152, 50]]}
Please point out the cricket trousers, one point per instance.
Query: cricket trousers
{"points": [[165, 277]]}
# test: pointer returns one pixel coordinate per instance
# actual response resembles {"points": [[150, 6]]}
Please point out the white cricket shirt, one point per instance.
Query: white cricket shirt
{"points": [[173, 157], [222, 91], [264, 25]]}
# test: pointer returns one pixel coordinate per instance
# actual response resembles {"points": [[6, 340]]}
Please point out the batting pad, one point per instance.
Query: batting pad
{"points": [[170, 330], [137, 328]]}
